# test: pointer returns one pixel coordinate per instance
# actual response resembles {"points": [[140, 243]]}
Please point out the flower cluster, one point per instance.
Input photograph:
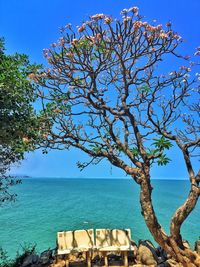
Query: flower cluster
{"points": [[46, 52], [69, 55], [97, 16], [178, 37], [107, 20], [163, 35], [126, 19], [82, 28], [32, 76], [134, 9], [184, 68], [74, 41], [137, 24], [61, 41], [95, 38]]}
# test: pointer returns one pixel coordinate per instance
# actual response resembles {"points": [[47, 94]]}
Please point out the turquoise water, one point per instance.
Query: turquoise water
{"points": [[45, 206]]}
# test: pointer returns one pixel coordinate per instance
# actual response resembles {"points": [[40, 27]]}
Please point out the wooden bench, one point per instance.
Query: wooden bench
{"points": [[75, 241], [107, 240], [114, 240]]}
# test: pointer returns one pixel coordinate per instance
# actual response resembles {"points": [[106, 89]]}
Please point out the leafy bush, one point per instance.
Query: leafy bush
{"points": [[5, 260]]}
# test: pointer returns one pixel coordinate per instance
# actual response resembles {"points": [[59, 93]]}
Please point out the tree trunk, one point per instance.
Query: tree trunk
{"points": [[182, 213], [175, 249]]}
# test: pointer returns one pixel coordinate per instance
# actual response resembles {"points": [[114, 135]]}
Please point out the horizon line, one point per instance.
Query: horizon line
{"points": [[98, 178]]}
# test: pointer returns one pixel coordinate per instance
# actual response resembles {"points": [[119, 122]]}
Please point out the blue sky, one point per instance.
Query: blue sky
{"points": [[30, 26]]}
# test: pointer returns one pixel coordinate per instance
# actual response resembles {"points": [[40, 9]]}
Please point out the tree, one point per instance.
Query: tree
{"points": [[103, 93], [18, 120]]}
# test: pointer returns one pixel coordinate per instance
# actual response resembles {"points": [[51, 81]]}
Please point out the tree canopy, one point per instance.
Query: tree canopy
{"points": [[18, 119], [108, 92]]}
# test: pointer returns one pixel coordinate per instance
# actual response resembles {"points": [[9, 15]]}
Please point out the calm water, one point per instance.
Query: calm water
{"points": [[46, 206]]}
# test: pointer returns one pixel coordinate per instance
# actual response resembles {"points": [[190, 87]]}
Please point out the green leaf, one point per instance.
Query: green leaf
{"points": [[134, 151], [162, 143], [163, 160], [145, 88]]}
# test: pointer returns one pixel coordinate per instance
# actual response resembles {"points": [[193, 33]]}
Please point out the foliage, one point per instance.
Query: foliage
{"points": [[5, 261], [19, 127]]}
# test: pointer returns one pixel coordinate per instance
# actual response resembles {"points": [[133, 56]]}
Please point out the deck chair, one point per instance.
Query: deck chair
{"points": [[108, 240], [75, 241]]}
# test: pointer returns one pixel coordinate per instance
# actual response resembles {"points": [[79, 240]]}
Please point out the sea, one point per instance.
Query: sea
{"points": [[45, 206]]}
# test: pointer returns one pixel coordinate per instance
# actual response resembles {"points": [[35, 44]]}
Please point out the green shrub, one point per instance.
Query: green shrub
{"points": [[5, 260]]}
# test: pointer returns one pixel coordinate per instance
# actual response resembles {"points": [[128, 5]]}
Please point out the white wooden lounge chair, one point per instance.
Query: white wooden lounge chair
{"points": [[114, 240], [75, 241]]}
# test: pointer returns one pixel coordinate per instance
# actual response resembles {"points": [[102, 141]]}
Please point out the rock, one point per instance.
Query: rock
{"points": [[173, 263], [60, 263], [162, 255], [30, 260], [139, 265], [186, 244], [46, 257], [135, 251], [145, 255], [197, 246]]}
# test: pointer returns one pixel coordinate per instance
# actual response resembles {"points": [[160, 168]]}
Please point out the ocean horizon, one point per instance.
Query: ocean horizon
{"points": [[46, 205], [24, 176]]}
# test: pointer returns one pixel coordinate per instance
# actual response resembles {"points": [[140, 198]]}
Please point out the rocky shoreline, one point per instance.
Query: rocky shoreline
{"points": [[145, 254]]}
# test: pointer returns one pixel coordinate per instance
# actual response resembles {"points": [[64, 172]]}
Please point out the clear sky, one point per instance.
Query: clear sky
{"points": [[29, 26]]}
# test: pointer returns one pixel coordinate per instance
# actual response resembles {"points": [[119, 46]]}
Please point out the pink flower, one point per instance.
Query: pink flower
{"points": [[62, 41], [97, 16], [82, 28], [134, 9], [32, 76], [184, 68], [176, 36], [107, 20], [159, 27], [163, 35], [70, 55], [150, 28], [126, 20], [124, 11], [88, 22], [92, 39], [74, 41], [137, 24], [98, 36], [150, 38]]}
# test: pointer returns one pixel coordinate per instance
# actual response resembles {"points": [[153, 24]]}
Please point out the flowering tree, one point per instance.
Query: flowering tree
{"points": [[103, 94]]}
